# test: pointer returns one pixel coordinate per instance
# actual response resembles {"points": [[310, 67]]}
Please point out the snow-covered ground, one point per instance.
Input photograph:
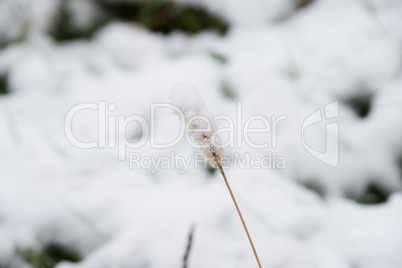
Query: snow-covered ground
{"points": [[280, 61]]}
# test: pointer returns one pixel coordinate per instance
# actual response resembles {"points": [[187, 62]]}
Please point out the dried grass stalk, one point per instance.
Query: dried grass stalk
{"points": [[186, 98]]}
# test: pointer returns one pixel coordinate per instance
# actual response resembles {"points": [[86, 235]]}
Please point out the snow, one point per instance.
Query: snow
{"points": [[280, 62], [187, 99], [190, 105]]}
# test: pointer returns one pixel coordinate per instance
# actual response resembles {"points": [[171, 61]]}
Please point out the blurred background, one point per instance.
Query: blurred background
{"points": [[62, 206]]}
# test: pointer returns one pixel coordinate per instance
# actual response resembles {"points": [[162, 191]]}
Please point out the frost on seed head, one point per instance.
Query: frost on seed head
{"points": [[199, 121]]}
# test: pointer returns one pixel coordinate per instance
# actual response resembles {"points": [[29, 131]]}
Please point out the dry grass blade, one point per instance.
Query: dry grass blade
{"points": [[193, 109], [240, 215]]}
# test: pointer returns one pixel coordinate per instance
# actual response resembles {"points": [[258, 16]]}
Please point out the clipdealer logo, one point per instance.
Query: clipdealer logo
{"points": [[112, 134]]}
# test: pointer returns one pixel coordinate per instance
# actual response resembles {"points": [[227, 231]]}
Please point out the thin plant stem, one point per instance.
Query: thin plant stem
{"points": [[188, 248], [241, 217]]}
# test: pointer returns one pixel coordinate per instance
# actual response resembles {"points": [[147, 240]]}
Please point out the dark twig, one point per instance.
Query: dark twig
{"points": [[188, 248]]}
